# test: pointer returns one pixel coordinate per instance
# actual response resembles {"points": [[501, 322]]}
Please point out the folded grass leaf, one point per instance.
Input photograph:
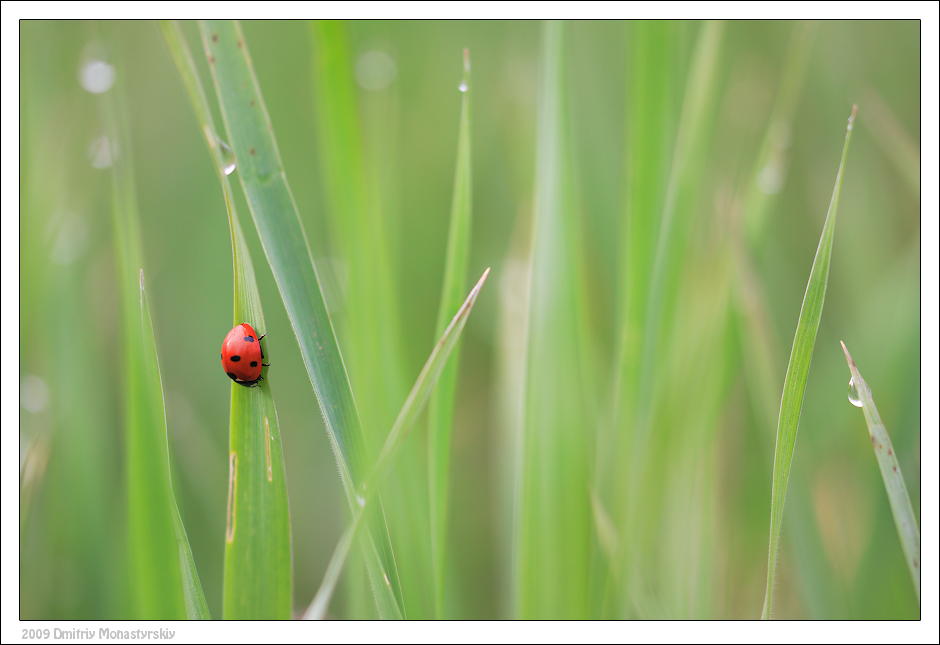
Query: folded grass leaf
{"points": [[258, 582], [282, 235]]}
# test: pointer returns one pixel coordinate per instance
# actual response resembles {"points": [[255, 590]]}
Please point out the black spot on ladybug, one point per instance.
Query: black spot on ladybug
{"points": [[249, 339], [222, 356], [232, 376], [235, 358], [254, 363]]}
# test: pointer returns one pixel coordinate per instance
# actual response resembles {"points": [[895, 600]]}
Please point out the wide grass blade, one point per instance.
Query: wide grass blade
{"points": [[258, 581], [901, 509], [441, 405], [553, 505], [794, 386], [193, 596], [156, 581], [414, 404], [285, 244]]}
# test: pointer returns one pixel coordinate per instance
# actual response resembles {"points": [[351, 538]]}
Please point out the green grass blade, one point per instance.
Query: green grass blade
{"points": [[890, 136], [363, 238], [441, 405], [904, 518], [258, 581], [156, 584], [697, 106], [193, 596], [664, 169], [551, 555], [794, 386], [771, 160], [285, 244], [414, 404], [360, 228], [650, 106]]}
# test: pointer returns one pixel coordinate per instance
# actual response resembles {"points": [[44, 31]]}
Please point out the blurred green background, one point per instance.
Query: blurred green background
{"points": [[840, 556]]}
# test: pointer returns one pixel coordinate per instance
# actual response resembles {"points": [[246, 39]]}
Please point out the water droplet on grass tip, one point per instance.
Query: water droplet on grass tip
{"points": [[854, 397], [462, 87], [227, 158]]}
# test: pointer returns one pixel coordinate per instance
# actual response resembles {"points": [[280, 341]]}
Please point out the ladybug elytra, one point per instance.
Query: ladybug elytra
{"points": [[242, 356]]}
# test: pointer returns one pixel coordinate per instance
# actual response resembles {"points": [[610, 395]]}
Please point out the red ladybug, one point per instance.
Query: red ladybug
{"points": [[242, 357]]}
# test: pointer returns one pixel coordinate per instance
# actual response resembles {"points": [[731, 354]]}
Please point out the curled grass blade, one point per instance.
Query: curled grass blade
{"points": [[904, 518], [258, 569], [285, 245], [791, 402], [193, 596], [441, 405], [414, 404], [156, 583]]}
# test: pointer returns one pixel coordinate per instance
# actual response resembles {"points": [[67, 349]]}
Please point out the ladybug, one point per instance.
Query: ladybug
{"points": [[242, 356]]}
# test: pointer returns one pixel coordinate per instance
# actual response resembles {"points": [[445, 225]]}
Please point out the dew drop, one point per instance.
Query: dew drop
{"points": [[360, 500], [97, 76], [462, 87], [226, 157], [854, 397]]}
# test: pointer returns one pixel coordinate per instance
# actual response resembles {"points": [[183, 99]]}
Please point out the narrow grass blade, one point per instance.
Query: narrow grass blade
{"points": [[156, 584], [193, 596], [687, 163], [258, 565], [360, 228], [901, 509], [794, 386], [414, 404], [364, 241], [771, 167], [664, 167], [441, 405], [895, 143], [553, 508], [285, 244], [757, 347]]}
